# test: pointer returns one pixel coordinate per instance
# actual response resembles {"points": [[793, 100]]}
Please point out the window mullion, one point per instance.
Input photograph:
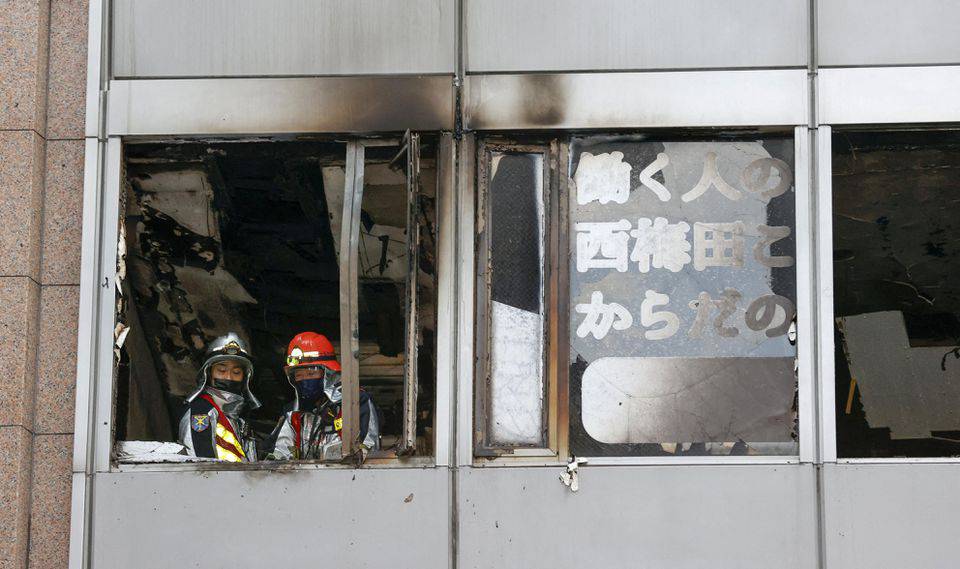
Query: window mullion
{"points": [[349, 320], [410, 369]]}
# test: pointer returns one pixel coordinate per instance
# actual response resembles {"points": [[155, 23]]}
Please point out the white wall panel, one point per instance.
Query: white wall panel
{"points": [[888, 32], [650, 516], [298, 518], [892, 516], [216, 38], [887, 95], [564, 35], [636, 100]]}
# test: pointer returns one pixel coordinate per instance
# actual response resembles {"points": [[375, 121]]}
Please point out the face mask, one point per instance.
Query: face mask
{"points": [[227, 385], [309, 390]]}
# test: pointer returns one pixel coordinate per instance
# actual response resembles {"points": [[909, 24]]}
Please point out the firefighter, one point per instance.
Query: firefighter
{"points": [[311, 429], [212, 427]]}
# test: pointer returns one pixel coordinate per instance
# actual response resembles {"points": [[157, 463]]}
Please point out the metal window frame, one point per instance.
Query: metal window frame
{"points": [[826, 397], [96, 368], [550, 151], [826, 360], [411, 145], [810, 408], [349, 291]]}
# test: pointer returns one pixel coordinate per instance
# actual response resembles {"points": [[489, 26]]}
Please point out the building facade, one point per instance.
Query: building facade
{"points": [[646, 283]]}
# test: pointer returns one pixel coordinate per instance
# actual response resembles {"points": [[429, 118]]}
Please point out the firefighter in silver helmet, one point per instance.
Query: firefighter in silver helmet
{"points": [[312, 428], [213, 426]]}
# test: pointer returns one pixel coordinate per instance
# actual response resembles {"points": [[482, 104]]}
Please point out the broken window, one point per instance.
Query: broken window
{"points": [[396, 276], [247, 237], [896, 293]]}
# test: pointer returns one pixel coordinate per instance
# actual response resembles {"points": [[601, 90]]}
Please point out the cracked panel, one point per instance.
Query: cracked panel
{"points": [[682, 292], [897, 298], [517, 312]]}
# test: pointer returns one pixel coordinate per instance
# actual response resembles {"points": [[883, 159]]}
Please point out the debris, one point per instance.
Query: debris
{"points": [[571, 476], [120, 333], [154, 451]]}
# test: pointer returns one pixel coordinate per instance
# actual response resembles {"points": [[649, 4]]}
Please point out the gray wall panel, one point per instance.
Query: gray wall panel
{"points": [[765, 97], [298, 518], [650, 516], [888, 95], [888, 32], [892, 516], [280, 105], [560, 35], [215, 38]]}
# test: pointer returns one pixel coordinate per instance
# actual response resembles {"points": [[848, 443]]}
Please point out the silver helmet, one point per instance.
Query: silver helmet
{"points": [[228, 348]]}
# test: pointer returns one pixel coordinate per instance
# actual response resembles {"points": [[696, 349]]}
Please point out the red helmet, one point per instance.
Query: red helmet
{"points": [[310, 349]]}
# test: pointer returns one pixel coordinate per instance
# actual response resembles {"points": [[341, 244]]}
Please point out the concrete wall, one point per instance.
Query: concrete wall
{"points": [[42, 93]]}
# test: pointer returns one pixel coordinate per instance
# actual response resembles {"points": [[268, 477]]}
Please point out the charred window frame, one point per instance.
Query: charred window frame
{"points": [[407, 159], [537, 170], [402, 155], [559, 401]]}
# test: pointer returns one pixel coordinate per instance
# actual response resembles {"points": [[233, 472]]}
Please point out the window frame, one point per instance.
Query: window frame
{"points": [[809, 391], [96, 368], [553, 313], [825, 322]]}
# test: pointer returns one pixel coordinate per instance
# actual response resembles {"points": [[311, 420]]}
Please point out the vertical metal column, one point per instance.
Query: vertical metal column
{"points": [[96, 171], [410, 367], [349, 325]]}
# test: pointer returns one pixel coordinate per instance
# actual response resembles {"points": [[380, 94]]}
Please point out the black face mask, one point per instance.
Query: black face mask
{"points": [[227, 385], [309, 391]]}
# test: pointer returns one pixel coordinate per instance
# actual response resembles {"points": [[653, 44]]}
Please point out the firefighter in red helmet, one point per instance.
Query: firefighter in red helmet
{"points": [[312, 428]]}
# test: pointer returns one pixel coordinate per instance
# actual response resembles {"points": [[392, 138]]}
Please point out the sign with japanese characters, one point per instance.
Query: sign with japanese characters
{"points": [[682, 250]]}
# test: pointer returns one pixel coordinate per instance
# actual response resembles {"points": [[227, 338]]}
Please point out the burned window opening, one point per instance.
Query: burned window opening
{"points": [[896, 297], [244, 237]]}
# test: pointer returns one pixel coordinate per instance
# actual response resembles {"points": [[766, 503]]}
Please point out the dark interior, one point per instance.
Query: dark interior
{"points": [[896, 199], [244, 237]]}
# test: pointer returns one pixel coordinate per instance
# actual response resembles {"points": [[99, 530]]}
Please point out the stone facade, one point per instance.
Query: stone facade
{"points": [[43, 46]]}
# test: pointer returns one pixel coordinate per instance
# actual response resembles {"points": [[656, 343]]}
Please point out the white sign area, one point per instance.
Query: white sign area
{"points": [[659, 244], [599, 318], [604, 178], [516, 376], [638, 400]]}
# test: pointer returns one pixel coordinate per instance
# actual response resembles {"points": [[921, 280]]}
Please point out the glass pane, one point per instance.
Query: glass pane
{"points": [[897, 295], [682, 297], [516, 224]]}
